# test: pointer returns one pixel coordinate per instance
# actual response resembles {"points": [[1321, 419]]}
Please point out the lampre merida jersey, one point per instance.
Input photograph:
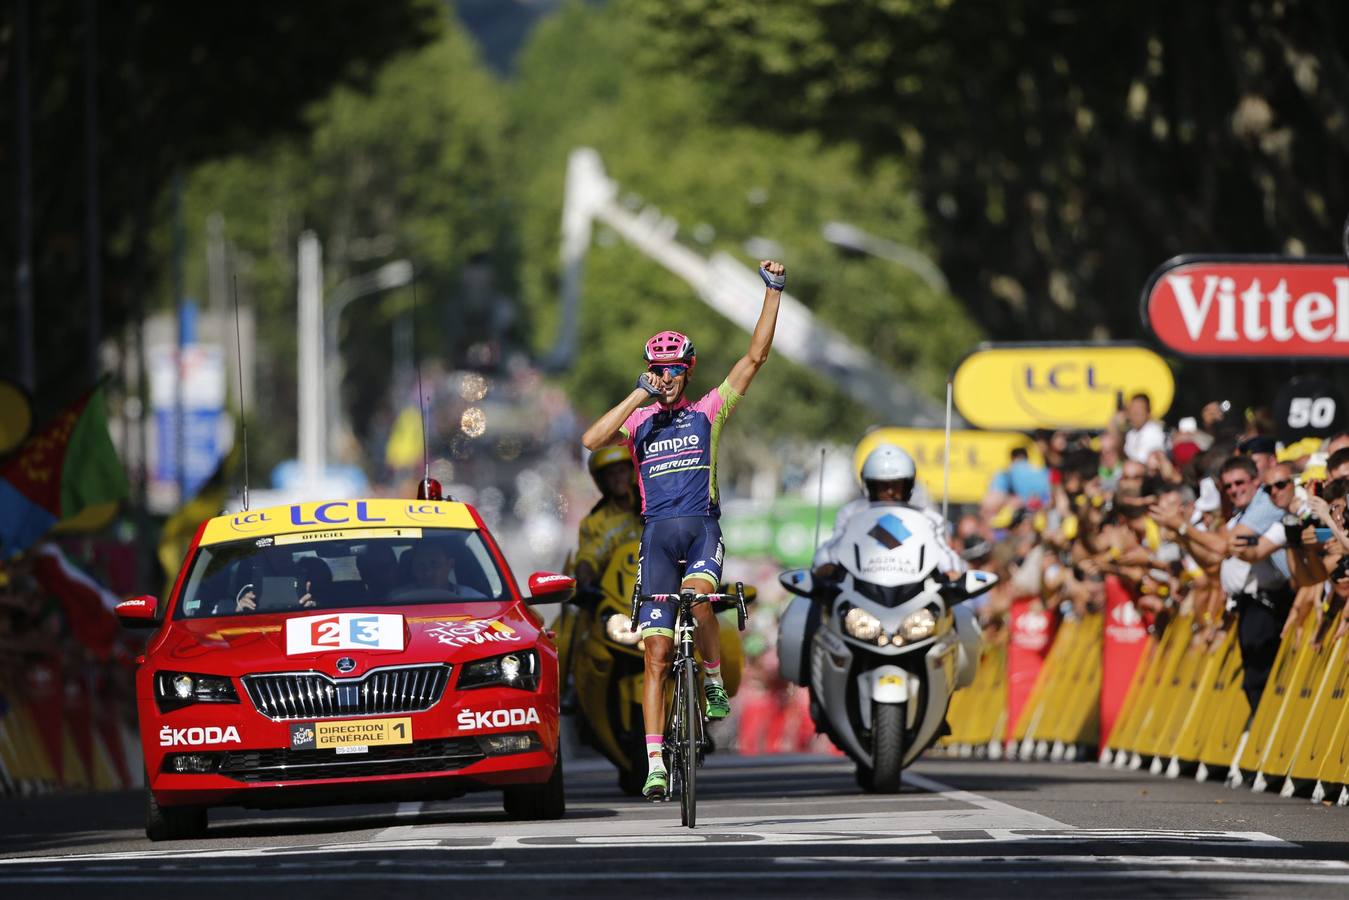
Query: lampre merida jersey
{"points": [[675, 452]]}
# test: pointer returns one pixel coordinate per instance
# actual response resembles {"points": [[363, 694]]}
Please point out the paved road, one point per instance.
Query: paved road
{"points": [[768, 827]]}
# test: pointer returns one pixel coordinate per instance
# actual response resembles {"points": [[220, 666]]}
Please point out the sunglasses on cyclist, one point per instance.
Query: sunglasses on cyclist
{"points": [[1278, 485], [674, 370]]}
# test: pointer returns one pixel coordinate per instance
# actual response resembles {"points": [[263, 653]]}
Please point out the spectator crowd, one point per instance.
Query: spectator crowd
{"points": [[1212, 518]]}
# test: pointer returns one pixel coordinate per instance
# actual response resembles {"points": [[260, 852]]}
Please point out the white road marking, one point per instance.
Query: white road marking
{"points": [[949, 871]]}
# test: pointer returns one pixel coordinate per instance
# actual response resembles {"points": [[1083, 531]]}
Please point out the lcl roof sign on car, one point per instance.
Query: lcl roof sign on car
{"points": [[1250, 307], [342, 651]]}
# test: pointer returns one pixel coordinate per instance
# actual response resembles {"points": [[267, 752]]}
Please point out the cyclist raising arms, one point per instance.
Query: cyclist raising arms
{"points": [[674, 446]]}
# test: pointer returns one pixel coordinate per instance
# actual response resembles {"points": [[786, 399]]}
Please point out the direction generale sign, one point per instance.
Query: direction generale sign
{"points": [[1245, 307], [1026, 386]]}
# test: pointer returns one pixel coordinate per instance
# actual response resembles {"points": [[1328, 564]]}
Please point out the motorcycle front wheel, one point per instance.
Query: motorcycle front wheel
{"points": [[887, 747]]}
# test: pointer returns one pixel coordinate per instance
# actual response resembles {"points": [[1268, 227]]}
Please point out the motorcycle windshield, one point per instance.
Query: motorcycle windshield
{"points": [[889, 546]]}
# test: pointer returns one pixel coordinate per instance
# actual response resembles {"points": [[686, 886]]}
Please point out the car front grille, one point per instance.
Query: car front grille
{"points": [[309, 765], [286, 696]]}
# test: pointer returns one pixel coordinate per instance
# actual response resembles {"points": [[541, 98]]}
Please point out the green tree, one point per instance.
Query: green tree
{"points": [[177, 83], [1062, 150], [728, 183], [413, 167]]}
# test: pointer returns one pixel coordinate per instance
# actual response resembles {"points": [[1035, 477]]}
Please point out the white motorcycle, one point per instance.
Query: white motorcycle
{"points": [[882, 643]]}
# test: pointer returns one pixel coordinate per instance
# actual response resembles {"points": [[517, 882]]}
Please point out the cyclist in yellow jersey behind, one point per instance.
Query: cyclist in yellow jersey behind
{"points": [[674, 445]]}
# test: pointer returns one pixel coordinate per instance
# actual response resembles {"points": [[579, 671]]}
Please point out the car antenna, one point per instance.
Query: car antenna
{"points": [[243, 418], [428, 488], [819, 500]]}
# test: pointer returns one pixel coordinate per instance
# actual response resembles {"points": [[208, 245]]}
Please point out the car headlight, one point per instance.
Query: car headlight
{"points": [[174, 690], [918, 625], [519, 670], [862, 625], [618, 628]]}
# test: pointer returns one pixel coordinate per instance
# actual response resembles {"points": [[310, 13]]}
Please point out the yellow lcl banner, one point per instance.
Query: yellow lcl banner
{"points": [[976, 456], [1057, 385]]}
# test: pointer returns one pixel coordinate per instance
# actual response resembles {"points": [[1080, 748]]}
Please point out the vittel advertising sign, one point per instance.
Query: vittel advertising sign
{"points": [[1246, 307]]}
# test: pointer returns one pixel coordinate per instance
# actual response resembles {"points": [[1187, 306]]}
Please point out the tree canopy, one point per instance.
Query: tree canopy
{"points": [[1062, 150], [177, 83], [411, 167], [734, 186]]}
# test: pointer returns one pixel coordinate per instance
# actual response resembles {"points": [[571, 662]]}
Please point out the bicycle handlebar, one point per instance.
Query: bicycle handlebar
{"points": [[720, 602]]}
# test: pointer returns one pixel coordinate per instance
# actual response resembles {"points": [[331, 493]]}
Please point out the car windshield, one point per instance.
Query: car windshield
{"points": [[393, 566]]}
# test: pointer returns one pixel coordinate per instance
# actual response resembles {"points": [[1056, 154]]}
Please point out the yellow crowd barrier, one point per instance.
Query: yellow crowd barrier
{"points": [[1185, 711], [978, 714], [28, 766]]}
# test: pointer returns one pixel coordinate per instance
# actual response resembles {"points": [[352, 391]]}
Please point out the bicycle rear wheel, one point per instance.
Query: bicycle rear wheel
{"points": [[692, 718]]}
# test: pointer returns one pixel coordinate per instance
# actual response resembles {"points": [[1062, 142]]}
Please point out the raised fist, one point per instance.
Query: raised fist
{"points": [[774, 274], [647, 382]]}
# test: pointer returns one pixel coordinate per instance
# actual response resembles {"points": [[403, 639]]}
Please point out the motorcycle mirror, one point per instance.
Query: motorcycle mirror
{"points": [[972, 584], [798, 581]]}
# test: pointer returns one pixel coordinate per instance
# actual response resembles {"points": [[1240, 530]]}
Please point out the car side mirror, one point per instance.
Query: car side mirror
{"points": [[138, 612], [798, 581], [550, 587]]}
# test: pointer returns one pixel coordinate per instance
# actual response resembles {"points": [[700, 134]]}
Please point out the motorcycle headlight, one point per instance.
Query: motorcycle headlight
{"points": [[519, 670], [618, 628], [918, 625], [862, 625], [174, 690]]}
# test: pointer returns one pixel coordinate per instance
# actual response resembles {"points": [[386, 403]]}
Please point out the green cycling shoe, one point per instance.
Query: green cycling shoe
{"points": [[657, 785], [718, 704]]}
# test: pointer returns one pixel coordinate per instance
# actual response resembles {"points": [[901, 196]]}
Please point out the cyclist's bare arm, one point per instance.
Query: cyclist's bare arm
{"points": [[604, 431], [743, 372]]}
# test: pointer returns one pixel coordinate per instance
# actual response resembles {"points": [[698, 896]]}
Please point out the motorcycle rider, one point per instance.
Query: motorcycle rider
{"points": [[610, 524], [613, 521], [888, 477], [674, 446]]}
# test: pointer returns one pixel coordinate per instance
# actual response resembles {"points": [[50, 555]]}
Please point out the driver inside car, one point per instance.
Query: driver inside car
{"points": [[433, 569], [378, 568]]}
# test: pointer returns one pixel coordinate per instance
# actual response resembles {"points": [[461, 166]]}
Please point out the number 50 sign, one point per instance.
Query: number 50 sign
{"points": [[344, 631], [1308, 406]]}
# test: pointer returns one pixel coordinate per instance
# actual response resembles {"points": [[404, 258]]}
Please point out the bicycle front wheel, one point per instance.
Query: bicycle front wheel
{"points": [[689, 740]]}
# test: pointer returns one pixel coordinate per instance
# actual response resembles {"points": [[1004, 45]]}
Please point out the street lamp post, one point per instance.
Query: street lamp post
{"points": [[850, 237], [392, 275]]}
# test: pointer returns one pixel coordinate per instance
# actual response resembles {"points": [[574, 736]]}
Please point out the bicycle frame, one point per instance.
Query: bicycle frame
{"points": [[685, 739]]}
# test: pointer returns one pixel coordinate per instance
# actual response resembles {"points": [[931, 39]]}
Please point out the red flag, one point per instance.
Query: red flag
{"points": [[89, 607]]}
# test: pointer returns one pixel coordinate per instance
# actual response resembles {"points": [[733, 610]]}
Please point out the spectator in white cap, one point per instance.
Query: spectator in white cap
{"points": [[1145, 433]]}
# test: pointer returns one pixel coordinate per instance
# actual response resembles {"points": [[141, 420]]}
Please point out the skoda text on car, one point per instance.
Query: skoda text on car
{"points": [[345, 651]]}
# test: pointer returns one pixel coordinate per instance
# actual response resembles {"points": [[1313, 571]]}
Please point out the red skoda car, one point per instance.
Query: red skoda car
{"points": [[347, 651]]}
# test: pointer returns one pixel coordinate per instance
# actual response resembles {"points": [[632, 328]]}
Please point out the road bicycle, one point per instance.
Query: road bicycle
{"points": [[686, 739]]}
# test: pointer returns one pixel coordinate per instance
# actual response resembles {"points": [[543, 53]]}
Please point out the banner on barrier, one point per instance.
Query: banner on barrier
{"points": [[1125, 638], [1031, 635]]}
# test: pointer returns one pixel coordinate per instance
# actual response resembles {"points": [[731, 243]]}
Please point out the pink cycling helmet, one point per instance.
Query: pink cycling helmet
{"points": [[670, 347]]}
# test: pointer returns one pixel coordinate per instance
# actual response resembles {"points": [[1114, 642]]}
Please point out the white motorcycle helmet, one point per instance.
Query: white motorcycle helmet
{"points": [[887, 463]]}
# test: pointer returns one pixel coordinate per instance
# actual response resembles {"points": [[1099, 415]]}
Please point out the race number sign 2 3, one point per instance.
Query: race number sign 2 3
{"points": [[344, 631]]}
